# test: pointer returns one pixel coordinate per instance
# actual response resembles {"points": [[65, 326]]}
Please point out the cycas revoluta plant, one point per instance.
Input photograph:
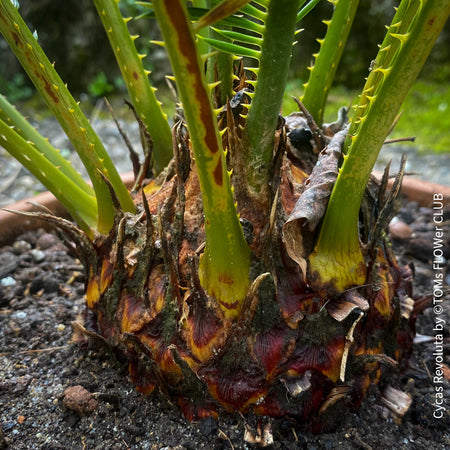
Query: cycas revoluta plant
{"points": [[248, 269]]}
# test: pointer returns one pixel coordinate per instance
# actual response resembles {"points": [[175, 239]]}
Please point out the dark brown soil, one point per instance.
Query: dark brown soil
{"points": [[41, 293]]}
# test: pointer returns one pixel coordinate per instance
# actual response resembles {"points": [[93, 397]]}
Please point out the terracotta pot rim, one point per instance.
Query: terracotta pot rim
{"points": [[11, 225]]}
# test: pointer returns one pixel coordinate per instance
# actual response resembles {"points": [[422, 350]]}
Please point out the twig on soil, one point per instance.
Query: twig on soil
{"points": [[224, 436], [37, 350], [426, 368]]}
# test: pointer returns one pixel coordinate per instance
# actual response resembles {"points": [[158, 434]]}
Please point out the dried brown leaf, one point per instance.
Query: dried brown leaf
{"points": [[312, 204]]}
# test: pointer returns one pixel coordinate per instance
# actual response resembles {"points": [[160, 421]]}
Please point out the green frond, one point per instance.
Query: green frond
{"points": [[235, 36], [219, 11], [306, 9], [11, 116], [236, 20], [233, 49]]}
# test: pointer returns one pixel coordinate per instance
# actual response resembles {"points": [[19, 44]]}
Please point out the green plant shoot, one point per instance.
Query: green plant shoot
{"points": [[224, 267]]}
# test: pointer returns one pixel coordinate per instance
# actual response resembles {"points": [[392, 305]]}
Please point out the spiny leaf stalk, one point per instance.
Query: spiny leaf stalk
{"points": [[272, 77], [224, 267]]}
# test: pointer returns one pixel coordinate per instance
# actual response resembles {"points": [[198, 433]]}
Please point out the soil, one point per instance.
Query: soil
{"points": [[42, 292]]}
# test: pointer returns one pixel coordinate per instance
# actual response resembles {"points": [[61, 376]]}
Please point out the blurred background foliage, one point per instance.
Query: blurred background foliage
{"points": [[71, 34]]}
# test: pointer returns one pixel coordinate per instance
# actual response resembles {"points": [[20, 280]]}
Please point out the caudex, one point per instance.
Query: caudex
{"points": [[248, 269]]}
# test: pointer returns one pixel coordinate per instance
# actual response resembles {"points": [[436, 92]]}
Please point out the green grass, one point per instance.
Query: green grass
{"points": [[426, 112]]}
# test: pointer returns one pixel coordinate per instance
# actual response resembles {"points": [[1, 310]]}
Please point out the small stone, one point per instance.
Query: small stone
{"points": [[15, 386], [38, 255], [7, 426], [399, 229], [8, 263], [44, 281], [46, 241], [421, 249], [21, 247], [21, 419], [208, 426], [78, 399], [7, 281], [20, 315], [406, 213]]}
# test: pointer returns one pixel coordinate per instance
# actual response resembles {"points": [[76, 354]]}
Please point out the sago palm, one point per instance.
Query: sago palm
{"points": [[248, 268]]}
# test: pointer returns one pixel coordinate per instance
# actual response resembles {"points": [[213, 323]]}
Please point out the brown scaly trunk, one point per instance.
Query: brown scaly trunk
{"points": [[292, 352]]}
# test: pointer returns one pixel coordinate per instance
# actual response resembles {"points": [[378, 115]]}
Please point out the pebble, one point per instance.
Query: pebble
{"points": [[21, 247], [8, 263], [7, 281], [422, 249], [45, 281], [6, 426], [406, 213], [80, 400], [20, 315], [46, 241], [38, 255], [399, 229]]}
